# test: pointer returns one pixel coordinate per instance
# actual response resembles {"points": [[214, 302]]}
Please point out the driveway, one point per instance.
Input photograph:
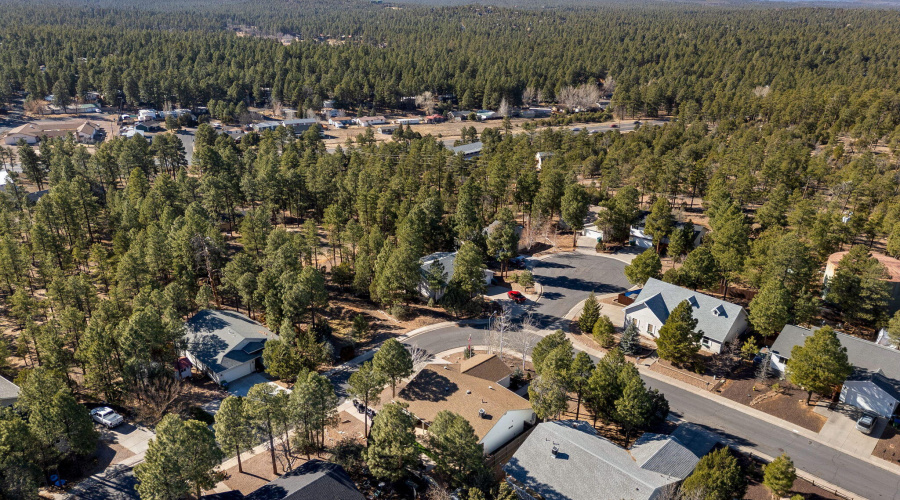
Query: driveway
{"points": [[840, 431], [129, 436]]}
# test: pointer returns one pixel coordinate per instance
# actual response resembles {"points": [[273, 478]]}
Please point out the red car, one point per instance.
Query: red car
{"points": [[516, 297]]}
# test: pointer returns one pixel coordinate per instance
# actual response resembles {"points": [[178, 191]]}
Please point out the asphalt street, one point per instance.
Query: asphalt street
{"points": [[568, 278]]}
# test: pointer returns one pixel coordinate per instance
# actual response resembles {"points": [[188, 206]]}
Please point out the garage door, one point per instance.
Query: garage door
{"points": [[237, 372]]}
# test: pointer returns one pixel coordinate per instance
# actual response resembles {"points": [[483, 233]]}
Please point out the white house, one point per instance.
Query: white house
{"points": [[147, 115], [408, 121], [720, 321], [226, 345], [300, 125], [340, 121], [497, 414], [9, 393], [446, 259], [874, 385], [368, 121], [263, 126], [640, 239]]}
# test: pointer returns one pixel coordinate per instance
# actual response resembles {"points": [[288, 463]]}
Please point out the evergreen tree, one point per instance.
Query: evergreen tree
{"points": [[468, 270], [394, 362], [630, 342], [458, 455], [659, 222], [729, 242], [579, 376], [589, 314], [779, 475], [634, 407], [574, 206], [718, 476], [820, 364], [769, 308], [645, 266], [168, 471], [548, 344], [603, 332], [858, 288], [503, 240], [679, 341], [392, 450], [547, 394], [366, 384], [700, 270], [232, 429]]}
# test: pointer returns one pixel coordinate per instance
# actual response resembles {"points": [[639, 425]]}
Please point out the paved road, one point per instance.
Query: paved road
{"points": [[568, 278], [817, 459]]}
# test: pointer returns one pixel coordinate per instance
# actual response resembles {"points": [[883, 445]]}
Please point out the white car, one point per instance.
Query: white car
{"points": [[106, 416]]}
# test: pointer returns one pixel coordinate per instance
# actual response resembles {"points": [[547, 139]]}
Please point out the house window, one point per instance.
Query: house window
{"points": [[704, 342], [649, 328]]}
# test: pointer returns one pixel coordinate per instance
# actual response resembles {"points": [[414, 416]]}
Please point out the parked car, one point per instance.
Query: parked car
{"points": [[106, 416], [865, 424], [614, 125], [515, 296], [517, 262]]}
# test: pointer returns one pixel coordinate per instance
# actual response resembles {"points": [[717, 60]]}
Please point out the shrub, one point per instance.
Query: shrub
{"points": [[603, 332], [401, 312]]}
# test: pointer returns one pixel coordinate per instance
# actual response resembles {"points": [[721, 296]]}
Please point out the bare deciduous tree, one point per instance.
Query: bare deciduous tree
{"points": [[503, 110], [584, 96], [529, 95], [498, 330], [425, 100], [523, 338]]}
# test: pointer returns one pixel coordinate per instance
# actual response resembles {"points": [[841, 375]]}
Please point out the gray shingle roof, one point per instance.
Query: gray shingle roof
{"points": [[8, 390], [715, 317], [217, 338], [314, 480], [589, 467], [864, 355]]}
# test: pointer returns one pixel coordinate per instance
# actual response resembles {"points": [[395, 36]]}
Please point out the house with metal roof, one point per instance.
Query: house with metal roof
{"points": [[226, 345], [9, 392], [720, 321], [566, 459], [468, 150], [874, 385]]}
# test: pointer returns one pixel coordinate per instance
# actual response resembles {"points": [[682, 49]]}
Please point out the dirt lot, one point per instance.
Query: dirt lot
{"points": [[888, 447], [756, 490], [258, 470], [789, 404]]}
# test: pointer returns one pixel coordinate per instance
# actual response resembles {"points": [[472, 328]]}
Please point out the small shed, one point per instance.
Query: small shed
{"points": [[183, 367]]}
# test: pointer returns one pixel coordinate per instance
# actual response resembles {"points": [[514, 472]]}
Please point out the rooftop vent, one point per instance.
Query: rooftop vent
{"points": [[554, 450], [481, 413], [468, 392]]}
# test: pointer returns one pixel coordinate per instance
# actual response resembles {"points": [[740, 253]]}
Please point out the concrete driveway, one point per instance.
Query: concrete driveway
{"points": [[131, 437], [840, 431]]}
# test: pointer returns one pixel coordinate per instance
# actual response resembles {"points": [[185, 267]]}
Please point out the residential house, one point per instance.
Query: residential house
{"points": [[487, 367], [340, 121], [874, 385], [368, 121], [641, 239], [566, 459], [486, 114], [459, 116], [446, 259], [386, 130], [226, 345], [892, 278], [31, 133], [147, 115], [468, 151], [314, 480], [497, 414], [720, 321], [300, 125], [535, 112], [267, 125], [408, 121], [9, 392], [130, 132], [435, 118]]}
